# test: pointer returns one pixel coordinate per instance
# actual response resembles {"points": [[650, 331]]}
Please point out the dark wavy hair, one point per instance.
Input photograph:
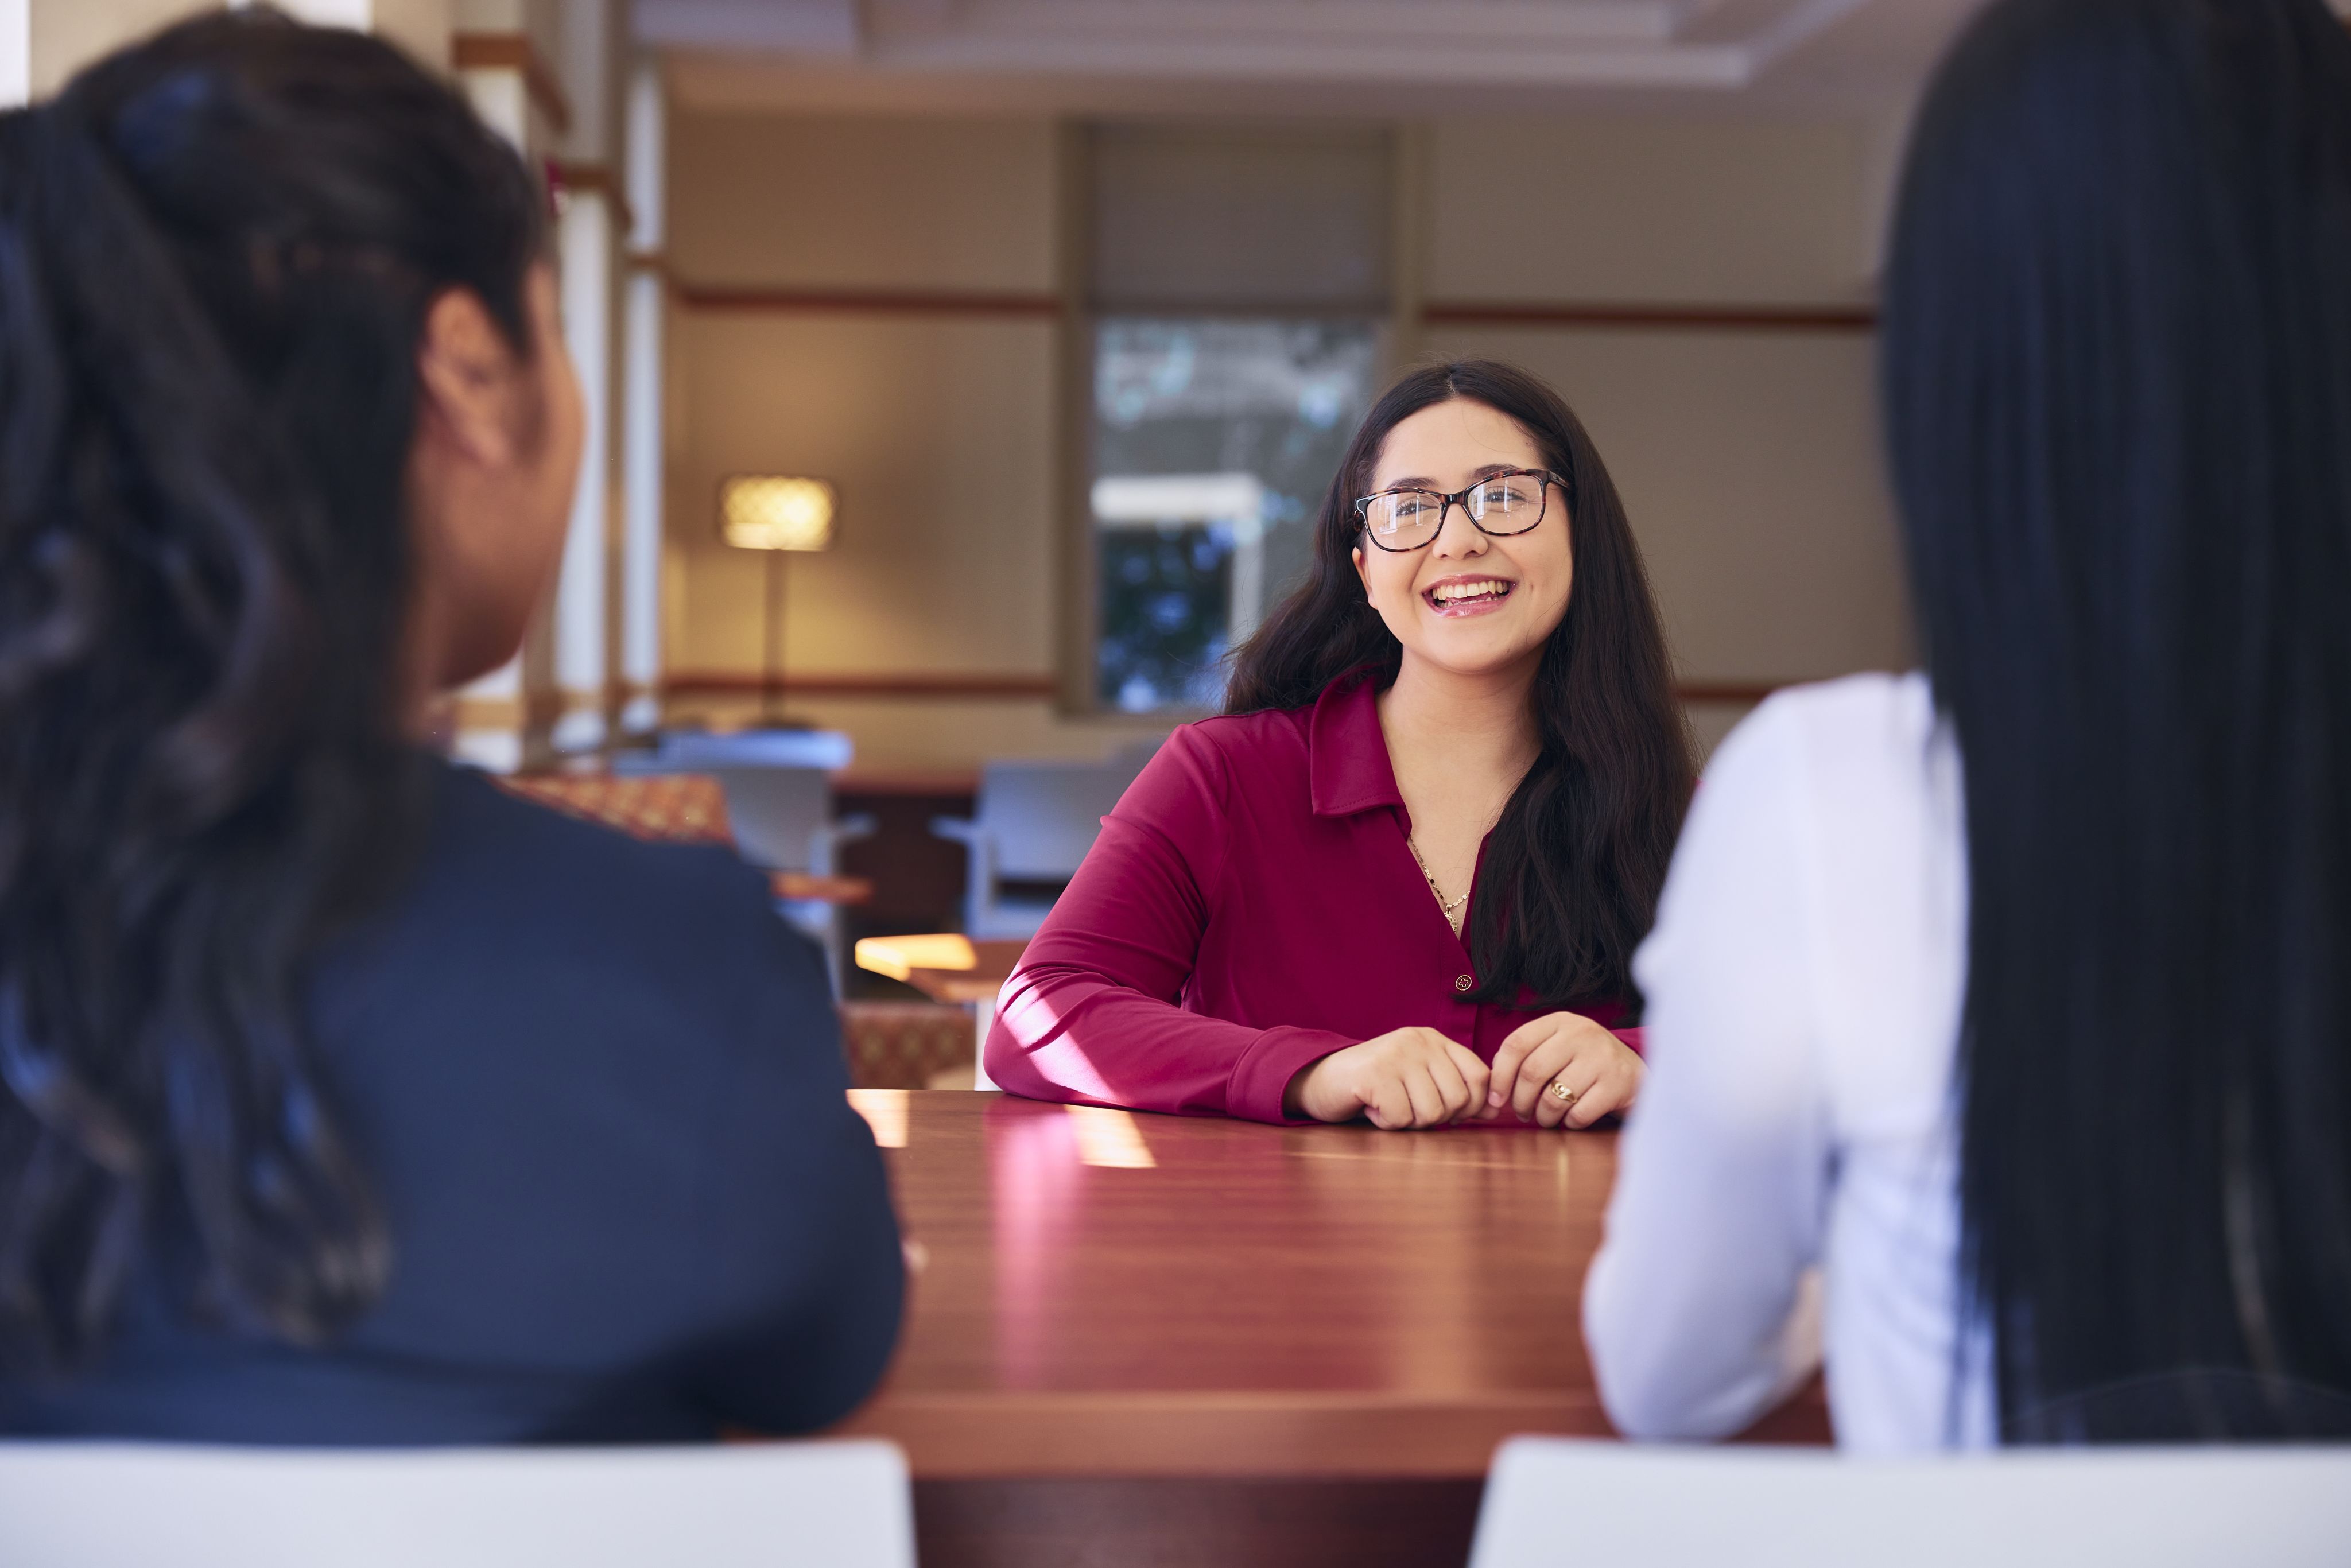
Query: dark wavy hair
{"points": [[2118, 389], [217, 249], [1575, 864]]}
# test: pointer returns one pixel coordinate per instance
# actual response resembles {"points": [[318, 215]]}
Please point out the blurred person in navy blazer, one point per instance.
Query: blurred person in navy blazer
{"points": [[343, 1098]]}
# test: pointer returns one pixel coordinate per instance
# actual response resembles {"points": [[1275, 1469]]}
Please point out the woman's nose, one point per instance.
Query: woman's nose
{"points": [[1456, 534]]}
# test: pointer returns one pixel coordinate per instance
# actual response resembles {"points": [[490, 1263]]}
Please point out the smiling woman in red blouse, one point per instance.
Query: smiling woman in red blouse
{"points": [[1403, 877]]}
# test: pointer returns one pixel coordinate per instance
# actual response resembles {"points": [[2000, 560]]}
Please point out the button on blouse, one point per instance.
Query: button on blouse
{"points": [[1251, 906]]}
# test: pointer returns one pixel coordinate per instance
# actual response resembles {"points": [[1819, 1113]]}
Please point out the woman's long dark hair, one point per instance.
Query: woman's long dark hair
{"points": [[1575, 865], [217, 249], [2117, 385]]}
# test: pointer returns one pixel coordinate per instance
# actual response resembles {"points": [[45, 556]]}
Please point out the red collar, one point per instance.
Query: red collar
{"points": [[1346, 755]]}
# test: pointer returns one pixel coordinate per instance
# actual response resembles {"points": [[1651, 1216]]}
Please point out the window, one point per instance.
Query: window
{"points": [[1214, 441], [1239, 289]]}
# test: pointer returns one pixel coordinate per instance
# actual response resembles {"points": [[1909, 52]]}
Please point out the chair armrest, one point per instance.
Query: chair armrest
{"points": [[824, 844], [979, 873]]}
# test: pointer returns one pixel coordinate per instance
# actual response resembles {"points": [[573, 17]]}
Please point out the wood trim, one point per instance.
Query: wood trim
{"points": [[948, 684], [515, 52], [866, 302], [799, 301], [1654, 317], [597, 179]]}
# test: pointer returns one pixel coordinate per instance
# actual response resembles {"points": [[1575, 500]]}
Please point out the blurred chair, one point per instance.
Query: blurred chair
{"points": [[107, 1505], [678, 807], [953, 969], [778, 819], [698, 751], [1033, 822], [782, 818], [1558, 1503], [779, 805], [906, 1045], [783, 821]]}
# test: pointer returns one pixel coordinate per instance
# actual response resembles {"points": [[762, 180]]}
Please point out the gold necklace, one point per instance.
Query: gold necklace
{"points": [[1443, 903]]}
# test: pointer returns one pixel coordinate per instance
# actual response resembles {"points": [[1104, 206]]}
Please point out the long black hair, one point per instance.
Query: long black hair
{"points": [[217, 249], [1579, 856], [2117, 387]]}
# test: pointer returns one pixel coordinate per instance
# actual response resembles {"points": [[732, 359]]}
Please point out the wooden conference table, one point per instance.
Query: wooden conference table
{"points": [[1139, 1339]]}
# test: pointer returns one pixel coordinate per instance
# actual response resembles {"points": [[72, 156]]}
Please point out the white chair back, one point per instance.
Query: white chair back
{"points": [[1044, 816], [108, 1505], [1553, 1502], [698, 751], [780, 816]]}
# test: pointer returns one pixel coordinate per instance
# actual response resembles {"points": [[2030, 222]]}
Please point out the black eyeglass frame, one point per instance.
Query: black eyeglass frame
{"points": [[1461, 499]]}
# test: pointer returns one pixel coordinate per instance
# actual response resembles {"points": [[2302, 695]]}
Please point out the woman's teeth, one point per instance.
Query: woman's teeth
{"points": [[1445, 595]]}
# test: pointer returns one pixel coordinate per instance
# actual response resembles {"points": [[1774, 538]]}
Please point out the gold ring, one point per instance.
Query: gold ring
{"points": [[1566, 1095]]}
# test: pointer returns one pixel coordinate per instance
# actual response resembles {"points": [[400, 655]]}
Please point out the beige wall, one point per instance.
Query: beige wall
{"points": [[939, 431], [1699, 212], [1749, 466], [939, 434], [1747, 459], [862, 202], [43, 42]]}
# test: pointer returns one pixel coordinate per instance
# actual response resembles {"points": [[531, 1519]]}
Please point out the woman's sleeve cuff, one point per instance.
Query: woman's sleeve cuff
{"points": [[1262, 1075]]}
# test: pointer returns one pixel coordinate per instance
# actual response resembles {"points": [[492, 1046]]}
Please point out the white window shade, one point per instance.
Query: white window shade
{"points": [[1189, 220], [1146, 500]]}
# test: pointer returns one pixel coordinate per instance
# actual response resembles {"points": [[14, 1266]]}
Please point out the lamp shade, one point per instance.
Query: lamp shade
{"points": [[770, 511]]}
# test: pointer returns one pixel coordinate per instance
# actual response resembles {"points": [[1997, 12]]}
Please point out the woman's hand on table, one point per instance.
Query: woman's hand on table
{"points": [[1600, 1070], [1413, 1077]]}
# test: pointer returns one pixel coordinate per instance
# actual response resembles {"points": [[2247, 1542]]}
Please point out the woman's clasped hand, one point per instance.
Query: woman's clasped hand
{"points": [[1560, 1069]]}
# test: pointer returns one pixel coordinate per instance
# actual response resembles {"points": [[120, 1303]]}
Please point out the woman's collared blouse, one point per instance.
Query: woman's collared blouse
{"points": [[1252, 906]]}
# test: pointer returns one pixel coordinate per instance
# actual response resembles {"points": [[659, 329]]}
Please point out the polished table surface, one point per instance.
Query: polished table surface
{"points": [[1105, 1294]]}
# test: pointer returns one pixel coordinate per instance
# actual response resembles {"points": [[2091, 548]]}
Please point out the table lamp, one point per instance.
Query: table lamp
{"points": [[779, 515]]}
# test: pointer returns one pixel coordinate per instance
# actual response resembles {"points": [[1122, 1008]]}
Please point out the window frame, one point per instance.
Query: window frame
{"points": [[1395, 336]]}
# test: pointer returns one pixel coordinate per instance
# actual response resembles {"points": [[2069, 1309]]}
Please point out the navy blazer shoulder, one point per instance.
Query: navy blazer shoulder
{"points": [[599, 1084]]}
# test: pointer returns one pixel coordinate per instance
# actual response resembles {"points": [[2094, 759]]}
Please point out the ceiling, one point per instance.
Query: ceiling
{"points": [[1379, 59]]}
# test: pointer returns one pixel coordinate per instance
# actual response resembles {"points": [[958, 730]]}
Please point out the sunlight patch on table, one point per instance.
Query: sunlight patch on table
{"points": [[885, 1111], [1110, 1139]]}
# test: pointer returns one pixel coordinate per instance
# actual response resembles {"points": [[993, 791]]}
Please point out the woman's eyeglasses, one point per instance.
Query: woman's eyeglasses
{"points": [[1498, 506]]}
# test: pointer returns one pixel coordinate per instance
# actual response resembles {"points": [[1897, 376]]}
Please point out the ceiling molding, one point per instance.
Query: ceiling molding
{"points": [[1421, 56]]}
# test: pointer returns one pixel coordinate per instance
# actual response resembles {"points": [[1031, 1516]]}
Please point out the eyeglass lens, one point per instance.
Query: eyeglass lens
{"points": [[1505, 504]]}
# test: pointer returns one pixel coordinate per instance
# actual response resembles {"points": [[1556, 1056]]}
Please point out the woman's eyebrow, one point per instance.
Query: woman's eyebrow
{"points": [[1422, 482]]}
